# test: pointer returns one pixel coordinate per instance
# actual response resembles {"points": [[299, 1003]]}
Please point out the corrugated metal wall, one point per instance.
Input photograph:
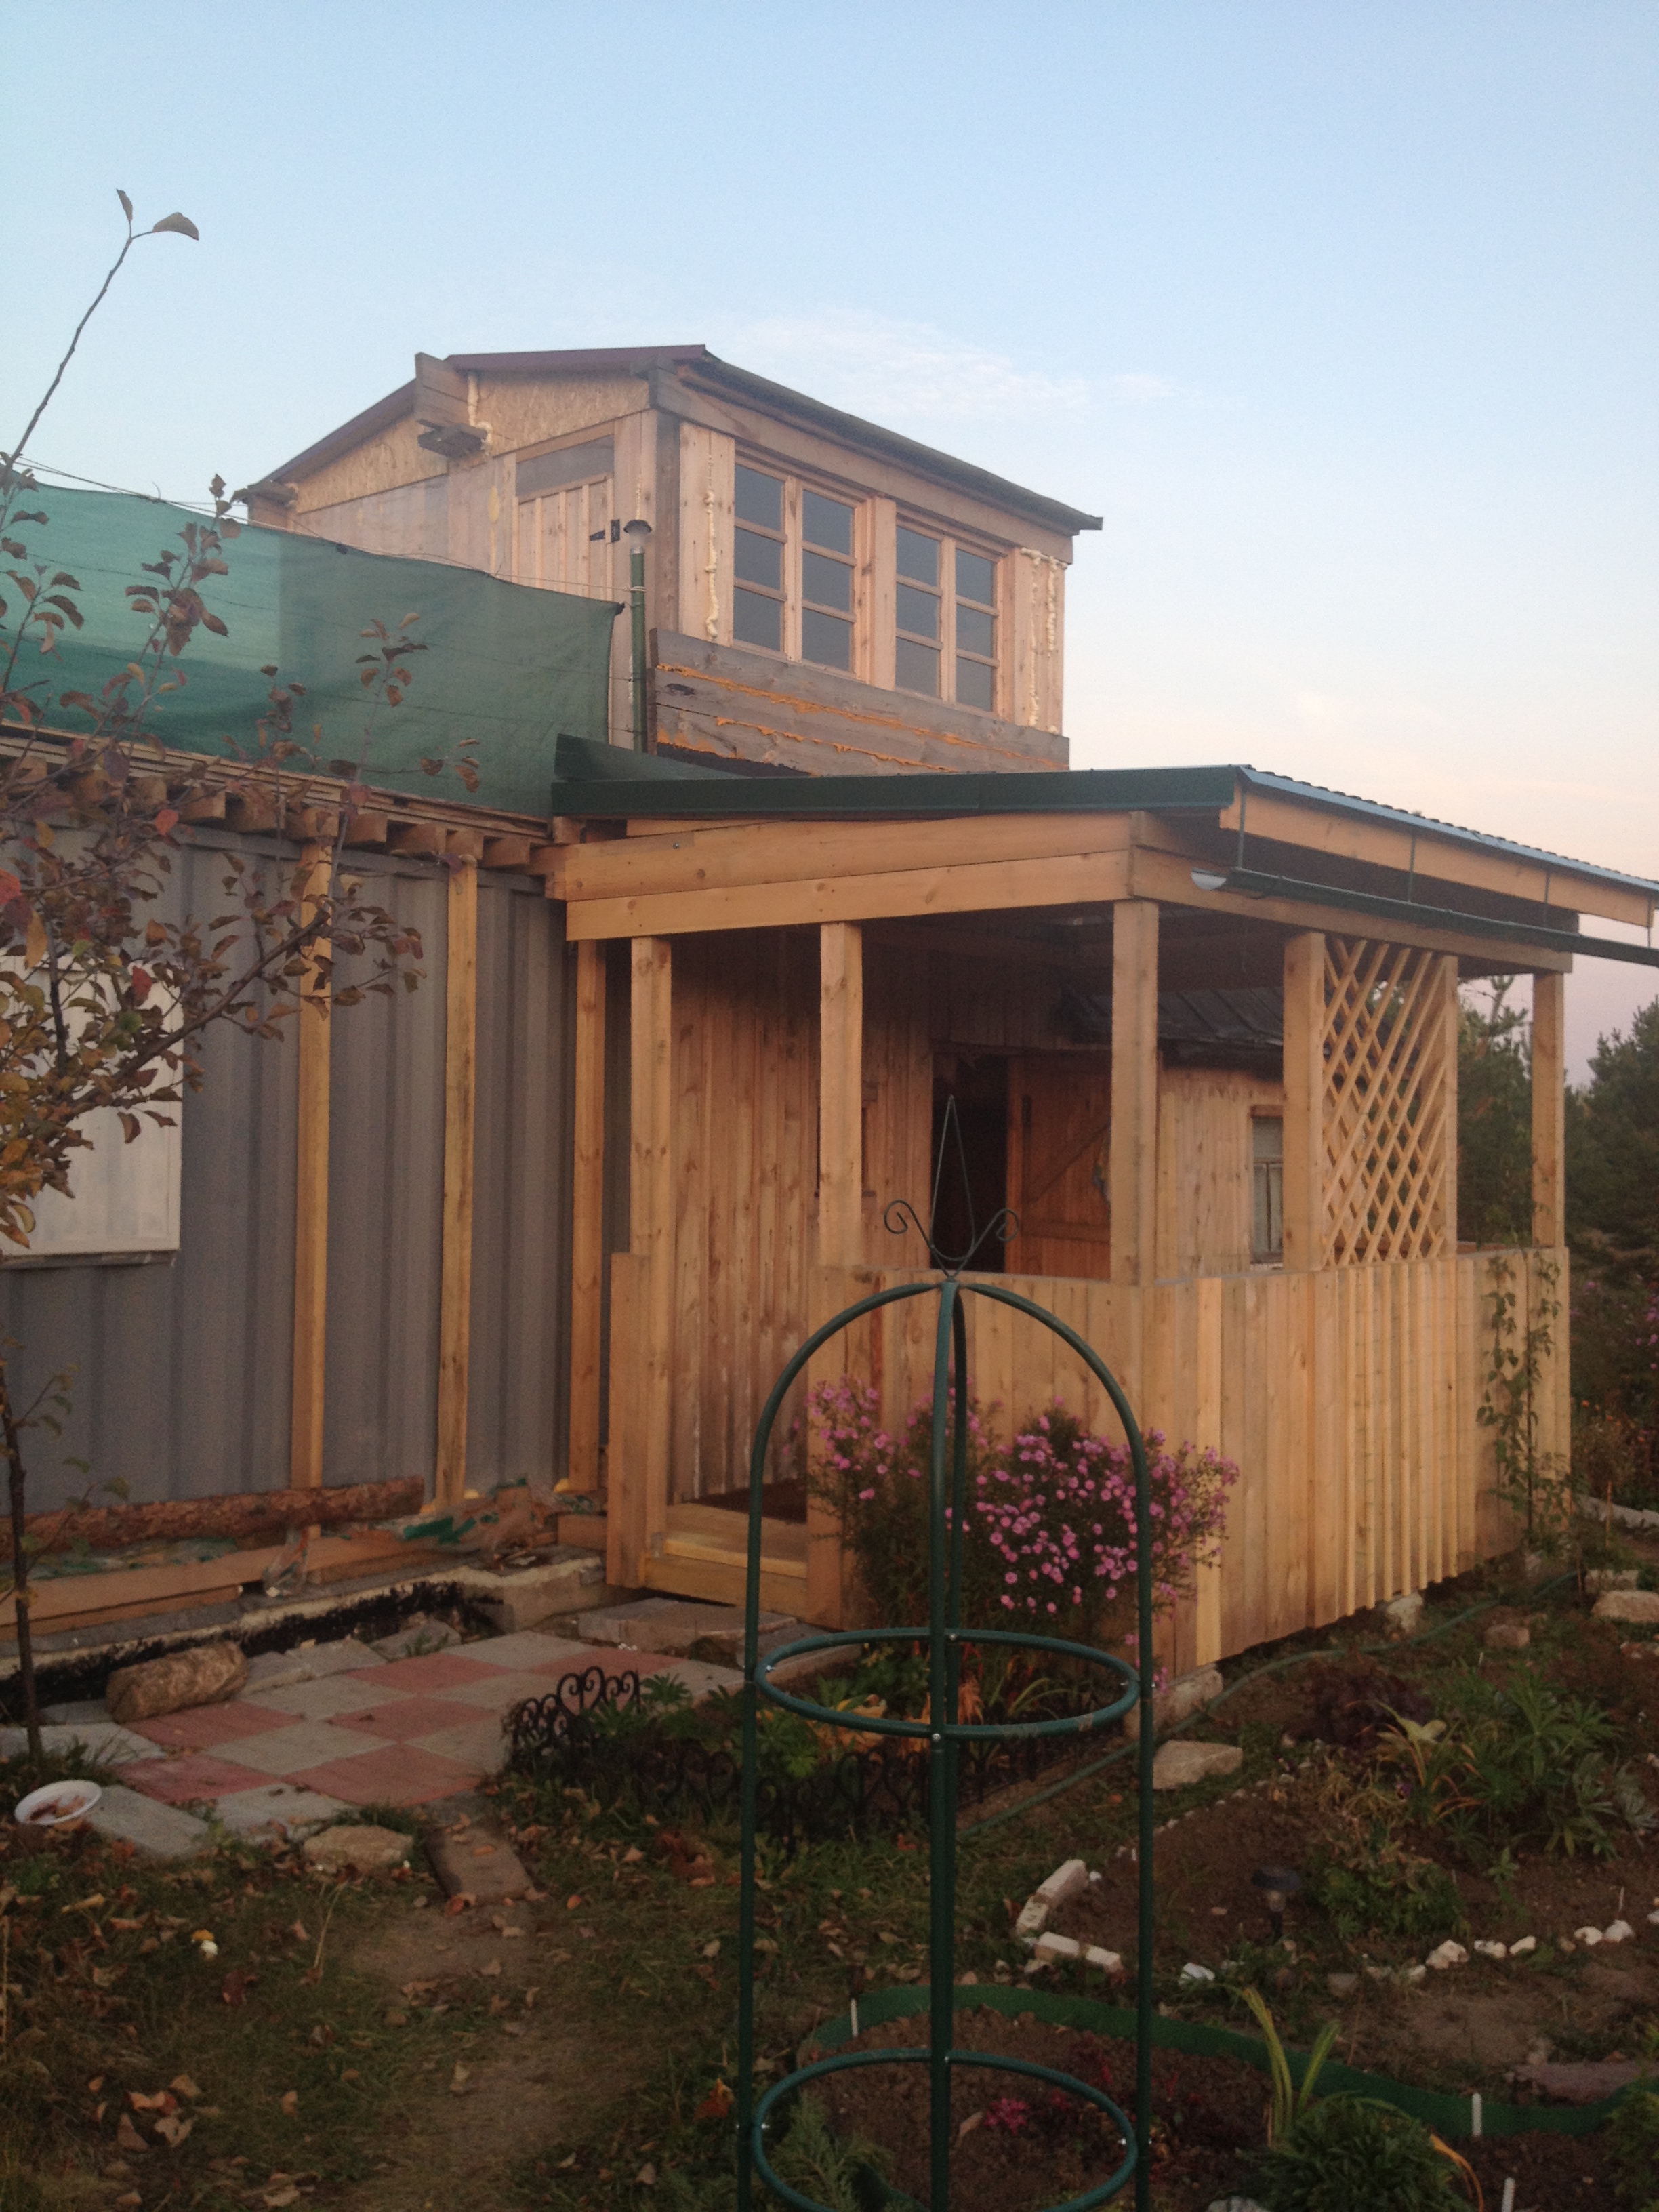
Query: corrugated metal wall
{"points": [[185, 1368]]}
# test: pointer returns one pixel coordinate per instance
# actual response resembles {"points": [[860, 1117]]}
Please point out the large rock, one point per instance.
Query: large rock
{"points": [[205, 1676], [1402, 1614], [1178, 1766], [1185, 1695], [364, 1848], [1634, 1605]]}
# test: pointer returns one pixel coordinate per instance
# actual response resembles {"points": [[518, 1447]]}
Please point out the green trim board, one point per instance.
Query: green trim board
{"points": [[1255, 885], [1450, 2117]]}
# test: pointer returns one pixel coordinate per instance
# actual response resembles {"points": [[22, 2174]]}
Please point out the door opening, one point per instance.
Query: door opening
{"points": [[980, 1087]]}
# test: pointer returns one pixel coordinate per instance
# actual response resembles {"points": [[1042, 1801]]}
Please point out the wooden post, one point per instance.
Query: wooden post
{"points": [[641, 1489], [1135, 1089], [1449, 1014], [311, 1199], [1304, 1100], [1549, 1110], [841, 1095], [587, 1221], [460, 1103]]}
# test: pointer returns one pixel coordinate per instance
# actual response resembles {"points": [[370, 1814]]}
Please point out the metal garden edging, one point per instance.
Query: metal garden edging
{"points": [[945, 1637]]}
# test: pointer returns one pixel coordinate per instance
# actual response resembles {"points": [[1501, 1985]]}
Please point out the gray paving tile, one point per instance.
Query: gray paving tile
{"points": [[482, 1746], [157, 1831], [275, 1810], [102, 1740], [501, 1692], [290, 1750], [527, 1647], [320, 1701]]}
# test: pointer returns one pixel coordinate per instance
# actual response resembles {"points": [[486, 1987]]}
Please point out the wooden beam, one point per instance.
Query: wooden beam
{"points": [[1088, 878], [1440, 860], [1449, 1022], [1304, 1100], [1134, 1090], [460, 1106], [643, 1481], [587, 1222], [1549, 1111], [311, 1199], [841, 1095]]}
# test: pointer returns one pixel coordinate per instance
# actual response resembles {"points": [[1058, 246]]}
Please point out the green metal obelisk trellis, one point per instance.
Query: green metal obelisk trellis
{"points": [[945, 1637]]}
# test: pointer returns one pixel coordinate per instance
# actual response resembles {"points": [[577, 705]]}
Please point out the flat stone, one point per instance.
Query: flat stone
{"points": [[1187, 1694], [103, 1742], [1402, 1614], [1179, 1765], [478, 1862], [1507, 1636], [530, 1595], [1611, 1578], [276, 1812], [204, 1674], [367, 1848], [312, 1662], [82, 1709], [1580, 2085], [1633, 1605], [671, 1626], [154, 1830], [416, 1637]]}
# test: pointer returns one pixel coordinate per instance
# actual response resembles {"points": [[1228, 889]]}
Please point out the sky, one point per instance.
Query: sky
{"points": [[1342, 316]]}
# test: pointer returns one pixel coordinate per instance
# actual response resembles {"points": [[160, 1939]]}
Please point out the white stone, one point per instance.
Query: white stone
{"points": [[1342, 1985], [1611, 1578], [1489, 1950], [1527, 1944], [1402, 1614], [154, 1830], [364, 1847], [1236, 2205], [1033, 1919], [1179, 1765], [1653, 1919], [1638, 1604], [105, 1743], [1110, 1962], [1618, 1931], [1194, 1975], [1446, 1954], [1050, 1947], [1065, 1882], [1589, 1937], [276, 1812], [1414, 1975], [1185, 1695]]}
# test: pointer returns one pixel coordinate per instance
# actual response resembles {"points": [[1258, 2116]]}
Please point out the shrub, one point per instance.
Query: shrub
{"points": [[1390, 1893], [1635, 2133], [1347, 2152], [1049, 1540]]}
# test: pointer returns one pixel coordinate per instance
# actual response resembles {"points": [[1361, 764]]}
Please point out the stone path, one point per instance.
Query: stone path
{"points": [[318, 1731]]}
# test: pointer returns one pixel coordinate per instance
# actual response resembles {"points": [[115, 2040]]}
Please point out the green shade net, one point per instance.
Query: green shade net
{"points": [[512, 666]]}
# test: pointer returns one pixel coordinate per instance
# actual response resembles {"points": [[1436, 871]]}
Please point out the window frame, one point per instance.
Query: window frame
{"points": [[949, 543], [794, 485], [1266, 1253]]}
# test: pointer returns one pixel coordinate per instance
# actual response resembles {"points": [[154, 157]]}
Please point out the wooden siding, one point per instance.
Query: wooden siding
{"points": [[1205, 1221]]}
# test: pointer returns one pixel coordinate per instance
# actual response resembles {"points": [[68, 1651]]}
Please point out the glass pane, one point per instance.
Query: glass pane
{"points": [[918, 557], [916, 668], [827, 522], [828, 583], [825, 639], [759, 560], [1266, 1137], [917, 610], [976, 631], [976, 682], [755, 621], [976, 578], [760, 498]]}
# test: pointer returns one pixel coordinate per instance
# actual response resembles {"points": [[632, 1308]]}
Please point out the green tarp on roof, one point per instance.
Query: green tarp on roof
{"points": [[512, 666]]}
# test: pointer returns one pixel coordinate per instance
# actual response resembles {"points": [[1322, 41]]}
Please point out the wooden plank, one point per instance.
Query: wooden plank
{"points": [[724, 1581], [1435, 860], [587, 1222], [460, 1108], [1133, 1172], [650, 1204], [1207, 1433], [1304, 1100], [311, 1198], [1088, 878], [1448, 1024], [626, 1503], [841, 1095], [1549, 1110]]}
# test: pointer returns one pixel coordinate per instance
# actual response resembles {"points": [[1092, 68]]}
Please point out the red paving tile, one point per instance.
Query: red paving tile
{"points": [[179, 1781], [439, 1670], [404, 1718], [203, 1727], [400, 1775]]}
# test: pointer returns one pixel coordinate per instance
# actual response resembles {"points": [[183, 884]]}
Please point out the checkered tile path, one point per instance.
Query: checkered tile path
{"points": [[399, 1732]]}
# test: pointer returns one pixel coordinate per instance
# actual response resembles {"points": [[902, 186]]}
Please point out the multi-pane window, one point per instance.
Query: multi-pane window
{"points": [[1268, 1189], [793, 585], [945, 620]]}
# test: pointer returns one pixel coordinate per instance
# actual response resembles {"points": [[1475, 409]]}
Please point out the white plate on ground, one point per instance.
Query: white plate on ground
{"points": [[58, 1802]]}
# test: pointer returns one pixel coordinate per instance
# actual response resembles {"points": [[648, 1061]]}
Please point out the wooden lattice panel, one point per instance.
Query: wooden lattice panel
{"points": [[1390, 1093]]}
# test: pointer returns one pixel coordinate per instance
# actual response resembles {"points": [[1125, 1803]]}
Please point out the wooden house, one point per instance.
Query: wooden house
{"points": [[1202, 1028]]}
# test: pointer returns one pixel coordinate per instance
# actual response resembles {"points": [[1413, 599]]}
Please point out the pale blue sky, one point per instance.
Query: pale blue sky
{"points": [[1343, 315]]}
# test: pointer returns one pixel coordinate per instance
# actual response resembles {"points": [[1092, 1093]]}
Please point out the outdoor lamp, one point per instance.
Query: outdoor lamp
{"points": [[1277, 1885], [637, 533]]}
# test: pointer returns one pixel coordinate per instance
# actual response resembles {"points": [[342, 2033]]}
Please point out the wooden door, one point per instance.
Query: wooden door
{"points": [[1059, 1120], [564, 539]]}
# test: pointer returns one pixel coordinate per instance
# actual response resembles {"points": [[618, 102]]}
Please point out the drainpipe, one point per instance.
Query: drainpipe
{"points": [[637, 533]]}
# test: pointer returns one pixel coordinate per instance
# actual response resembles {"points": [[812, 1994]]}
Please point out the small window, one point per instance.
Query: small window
{"points": [[945, 620], [793, 568], [826, 580], [1268, 1189], [757, 599]]}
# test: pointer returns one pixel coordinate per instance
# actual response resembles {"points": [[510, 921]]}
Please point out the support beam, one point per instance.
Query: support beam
{"points": [[1549, 1110], [841, 1095], [1304, 1100], [587, 1222], [311, 1195], [1449, 1013], [638, 1501], [460, 1104], [1135, 1089]]}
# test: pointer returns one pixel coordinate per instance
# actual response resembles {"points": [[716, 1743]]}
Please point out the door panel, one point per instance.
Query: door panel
{"points": [[1060, 1119]]}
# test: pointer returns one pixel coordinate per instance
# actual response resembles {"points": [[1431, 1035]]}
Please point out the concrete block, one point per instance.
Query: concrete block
{"points": [[276, 1812], [83, 1709], [1632, 1605], [1053, 1948], [1179, 1765], [1110, 1962], [534, 1594], [1033, 1919], [478, 1862], [154, 1830], [1185, 1695], [1065, 1882], [102, 1742], [363, 1845]]}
